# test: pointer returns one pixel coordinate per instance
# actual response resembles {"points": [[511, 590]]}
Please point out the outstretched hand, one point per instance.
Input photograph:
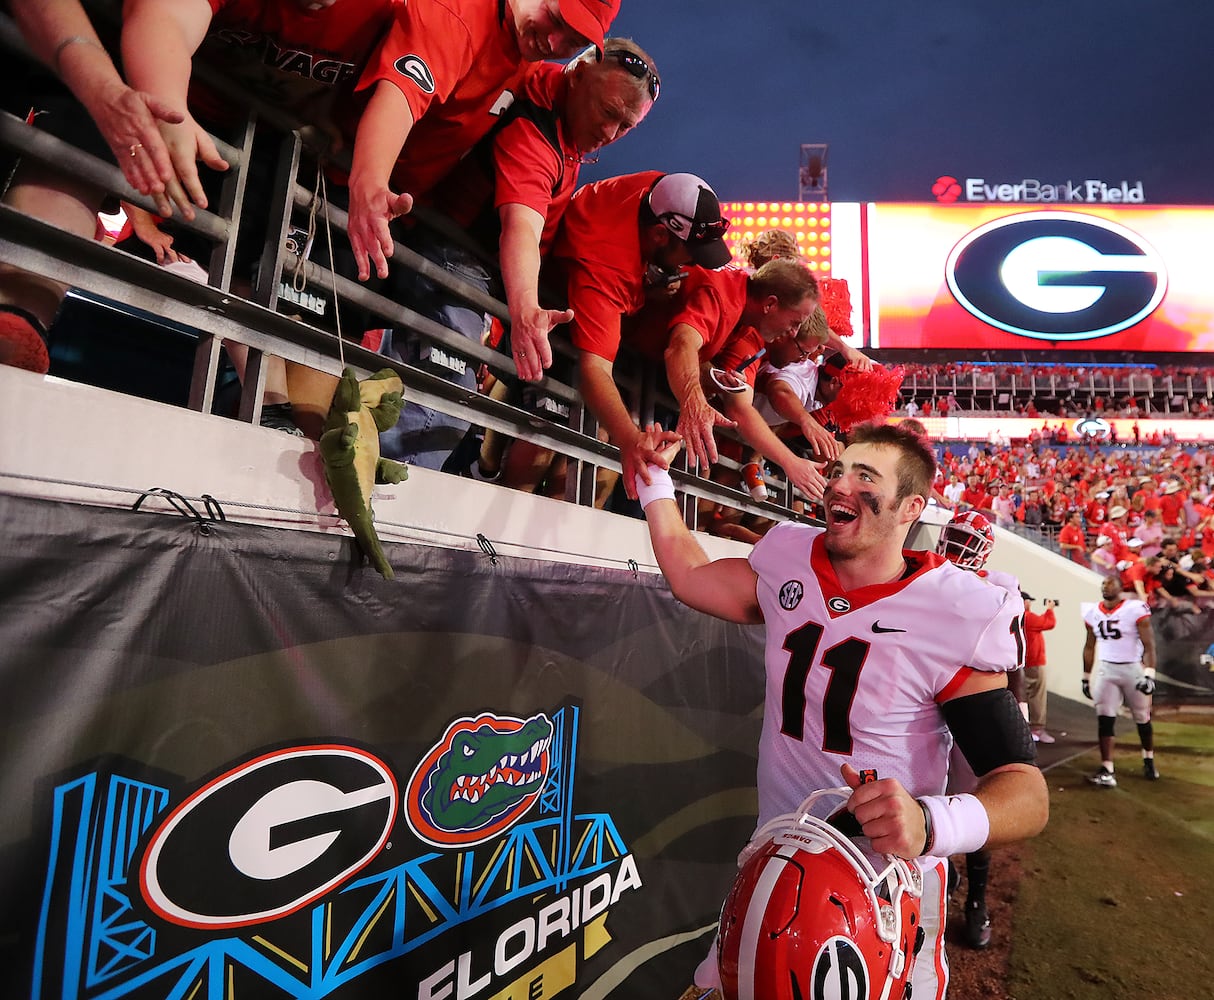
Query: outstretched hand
{"points": [[372, 208], [653, 446], [697, 422], [529, 340], [129, 122], [189, 144]]}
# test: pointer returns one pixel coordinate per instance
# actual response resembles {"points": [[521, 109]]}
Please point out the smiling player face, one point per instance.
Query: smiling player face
{"points": [[862, 514]]}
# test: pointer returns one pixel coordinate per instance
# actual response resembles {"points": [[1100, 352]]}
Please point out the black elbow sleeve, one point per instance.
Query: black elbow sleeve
{"points": [[990, 730]]}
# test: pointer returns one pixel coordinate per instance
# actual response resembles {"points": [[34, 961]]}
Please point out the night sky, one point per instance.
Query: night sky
{"points": [[1066, 90]]}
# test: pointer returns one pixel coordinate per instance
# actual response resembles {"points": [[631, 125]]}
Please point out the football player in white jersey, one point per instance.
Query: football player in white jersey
{"points": [[1121, 645], [967, 541], [877, 658]]}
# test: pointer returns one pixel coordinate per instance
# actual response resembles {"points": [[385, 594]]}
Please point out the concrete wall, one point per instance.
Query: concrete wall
{"points": [[75, 442]]}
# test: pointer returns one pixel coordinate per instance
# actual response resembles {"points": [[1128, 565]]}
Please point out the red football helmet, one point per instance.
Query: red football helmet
{"points": [[810, 918], [967, 540]]}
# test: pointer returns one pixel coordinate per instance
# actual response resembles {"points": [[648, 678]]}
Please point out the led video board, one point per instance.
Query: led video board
{"points": [[990, 277], [809, 223]]}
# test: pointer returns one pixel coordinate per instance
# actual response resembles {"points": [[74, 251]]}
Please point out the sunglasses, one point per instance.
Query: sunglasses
{"points": [[637, 68]]}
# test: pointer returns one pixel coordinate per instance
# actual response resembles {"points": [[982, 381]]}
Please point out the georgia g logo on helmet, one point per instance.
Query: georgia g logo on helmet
{"points": [[1057, 276], [809, 916]]}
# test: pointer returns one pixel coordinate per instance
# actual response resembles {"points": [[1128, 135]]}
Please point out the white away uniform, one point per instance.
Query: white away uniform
{"points": [[1118, 664], [857, 677]]}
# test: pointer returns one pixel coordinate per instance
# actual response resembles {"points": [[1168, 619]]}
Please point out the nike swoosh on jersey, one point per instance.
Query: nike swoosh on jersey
{"points": [[878, 627]]}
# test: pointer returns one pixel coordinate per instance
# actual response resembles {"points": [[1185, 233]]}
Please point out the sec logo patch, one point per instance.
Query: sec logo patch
{"points": [[791, 594]]}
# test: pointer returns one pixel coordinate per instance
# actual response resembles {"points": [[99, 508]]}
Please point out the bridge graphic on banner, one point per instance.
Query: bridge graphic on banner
{"points": [[92, 944]]}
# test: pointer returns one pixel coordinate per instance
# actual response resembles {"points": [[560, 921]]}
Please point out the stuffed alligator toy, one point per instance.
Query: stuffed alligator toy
{"points": [[349, 450]]}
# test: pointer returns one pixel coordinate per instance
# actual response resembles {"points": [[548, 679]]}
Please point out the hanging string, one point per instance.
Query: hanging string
{"points": [[324, 197], [299, 279]]}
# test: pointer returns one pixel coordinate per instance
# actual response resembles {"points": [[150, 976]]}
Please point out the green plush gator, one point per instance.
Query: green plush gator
{"points": [[349, 449]]}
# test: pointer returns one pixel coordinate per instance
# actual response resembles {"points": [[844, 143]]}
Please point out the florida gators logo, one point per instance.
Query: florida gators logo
{"points": [[479, 780]]}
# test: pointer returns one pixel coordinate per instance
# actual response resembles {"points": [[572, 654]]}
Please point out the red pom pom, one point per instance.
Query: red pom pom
{"points": [[866, 396], [835, 300]]}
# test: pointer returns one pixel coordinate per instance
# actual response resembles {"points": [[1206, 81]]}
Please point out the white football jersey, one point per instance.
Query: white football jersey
{"points": [[858, 677], [1011, 584], [1117, 638]]}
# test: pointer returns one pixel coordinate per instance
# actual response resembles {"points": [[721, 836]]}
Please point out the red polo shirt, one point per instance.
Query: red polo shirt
{"points": [[599, 247], [518, 164], [459, 66]]}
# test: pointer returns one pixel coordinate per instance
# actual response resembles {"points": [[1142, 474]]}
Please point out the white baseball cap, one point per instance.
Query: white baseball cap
{"points": [[688, 207]]}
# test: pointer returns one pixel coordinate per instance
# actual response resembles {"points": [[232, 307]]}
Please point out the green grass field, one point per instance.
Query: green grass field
{"points": [[1117, 895]]}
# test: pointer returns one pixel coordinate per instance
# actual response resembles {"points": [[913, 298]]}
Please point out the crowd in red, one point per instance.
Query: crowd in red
{"points": [[1069, 374], [1064, 390], [1145, 516]]}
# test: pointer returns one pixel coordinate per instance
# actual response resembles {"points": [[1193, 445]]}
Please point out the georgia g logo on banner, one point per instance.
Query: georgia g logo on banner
{"points": [[1056, 276], [268, 837]]}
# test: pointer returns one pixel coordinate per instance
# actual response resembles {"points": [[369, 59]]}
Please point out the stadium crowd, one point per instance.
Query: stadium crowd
{"points": [[1143, 515], [460, 107], [1031, 389]]}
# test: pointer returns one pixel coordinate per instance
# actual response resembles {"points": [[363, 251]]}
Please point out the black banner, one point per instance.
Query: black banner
{"points": [[238, 763]]}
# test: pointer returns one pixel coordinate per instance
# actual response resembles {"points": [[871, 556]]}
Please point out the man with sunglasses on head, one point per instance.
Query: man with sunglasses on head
{"points": [[624, 242], [442, 77], [509, 193], [513, 189]]}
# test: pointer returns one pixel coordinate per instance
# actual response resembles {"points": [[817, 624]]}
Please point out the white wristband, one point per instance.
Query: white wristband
{"points": [[1148, 672], [958, 824], [661, 486]]}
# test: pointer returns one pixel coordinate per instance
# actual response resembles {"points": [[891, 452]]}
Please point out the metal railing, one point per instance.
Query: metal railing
{"points": [[216, 315]]}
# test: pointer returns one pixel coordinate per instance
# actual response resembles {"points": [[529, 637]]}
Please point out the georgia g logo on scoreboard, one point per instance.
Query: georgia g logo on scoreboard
{"points": [[1056, 276]]}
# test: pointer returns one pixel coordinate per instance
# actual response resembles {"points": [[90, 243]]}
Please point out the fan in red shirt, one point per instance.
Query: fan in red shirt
{"points": [[440, 79], [1117, 531], [735, 312], [1071, 540], [623, 240], [974, 495], [284, 53], [1171, 503], [512, 190]]}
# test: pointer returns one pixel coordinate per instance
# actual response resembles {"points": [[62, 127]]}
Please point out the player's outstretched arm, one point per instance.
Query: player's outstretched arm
{"points": [[724, 588]]}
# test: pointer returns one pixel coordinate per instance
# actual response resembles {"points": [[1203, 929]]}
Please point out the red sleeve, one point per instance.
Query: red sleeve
{"points": [[701, 310], [596, 311], [426, 53], [527, 167], [959, 678]]}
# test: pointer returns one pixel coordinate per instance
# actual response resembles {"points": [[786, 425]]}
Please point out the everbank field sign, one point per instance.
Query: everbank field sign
{"points": [[948, 189]]}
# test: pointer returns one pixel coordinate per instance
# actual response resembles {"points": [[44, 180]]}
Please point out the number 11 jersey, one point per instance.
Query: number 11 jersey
{"points": [[858, 677]]}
